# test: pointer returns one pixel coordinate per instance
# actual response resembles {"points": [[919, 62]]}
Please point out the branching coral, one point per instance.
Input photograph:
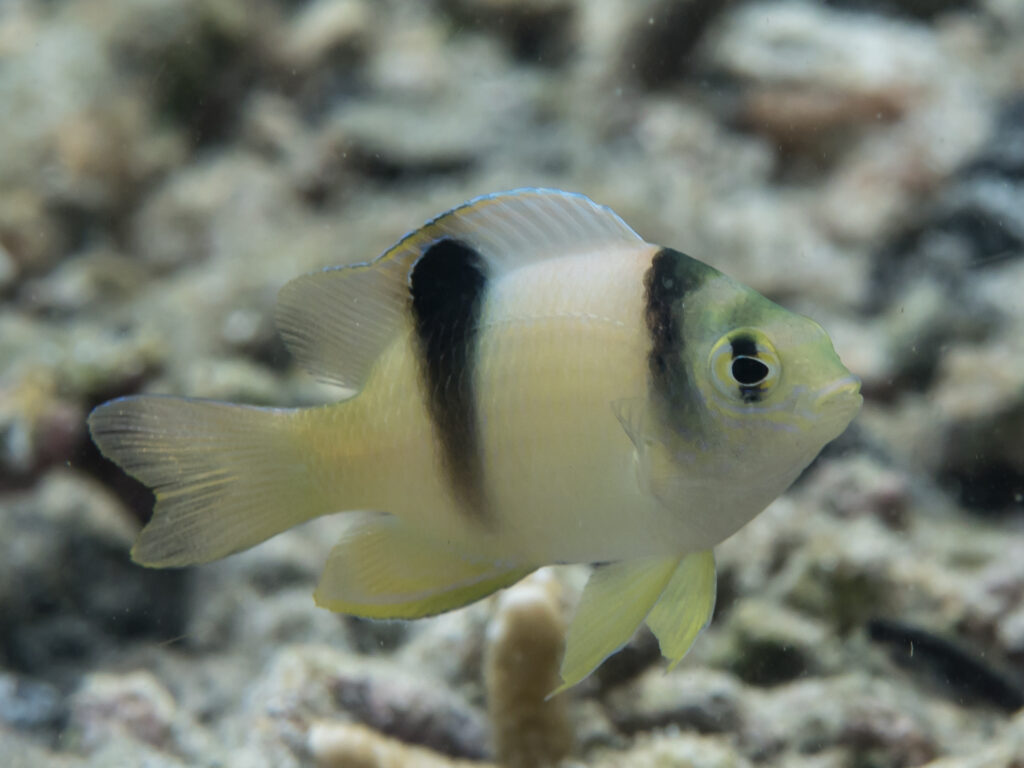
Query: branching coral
{"points": [[524, 649]]}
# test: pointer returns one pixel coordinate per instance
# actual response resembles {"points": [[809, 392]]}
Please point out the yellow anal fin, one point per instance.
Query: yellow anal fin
{"points": [[616, 599], [382, 569], [685, 606]]}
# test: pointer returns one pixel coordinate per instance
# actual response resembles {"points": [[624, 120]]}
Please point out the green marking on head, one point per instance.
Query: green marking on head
{"points": [[736, 375], [763, 370]]}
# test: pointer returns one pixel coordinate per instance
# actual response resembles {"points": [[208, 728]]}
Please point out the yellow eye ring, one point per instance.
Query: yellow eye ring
{"points": [[744, 365]]}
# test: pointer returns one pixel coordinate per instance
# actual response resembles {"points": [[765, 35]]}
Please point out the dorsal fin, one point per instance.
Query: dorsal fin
{"points": [[337, 322]]}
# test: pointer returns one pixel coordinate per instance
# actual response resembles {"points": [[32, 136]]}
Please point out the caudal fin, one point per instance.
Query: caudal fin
{"points": [[226, 477]]}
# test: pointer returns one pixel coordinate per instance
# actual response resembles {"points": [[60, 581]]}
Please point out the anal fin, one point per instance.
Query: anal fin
{"points": [[382, 569]]}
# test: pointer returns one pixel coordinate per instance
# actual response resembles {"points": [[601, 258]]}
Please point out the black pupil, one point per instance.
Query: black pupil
{"points": [[748, 371]]}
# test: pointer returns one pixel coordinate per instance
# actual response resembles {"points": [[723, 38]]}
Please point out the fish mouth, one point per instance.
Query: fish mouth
{"points": [[843, 391]]}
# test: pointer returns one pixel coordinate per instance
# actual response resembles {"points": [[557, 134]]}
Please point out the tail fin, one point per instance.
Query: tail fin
{"points": [[226, 477]]}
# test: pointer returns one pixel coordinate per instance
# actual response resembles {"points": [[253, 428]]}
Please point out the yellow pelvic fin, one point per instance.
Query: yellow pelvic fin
{"points": [[382, 569], [685, 606], [614, 602], [226, 477]]}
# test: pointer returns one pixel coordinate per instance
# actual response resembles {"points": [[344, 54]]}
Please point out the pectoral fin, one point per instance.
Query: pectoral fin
{"points": [[382, 569], [656, 465], [632, 414], [614, 602], [685, 605]]}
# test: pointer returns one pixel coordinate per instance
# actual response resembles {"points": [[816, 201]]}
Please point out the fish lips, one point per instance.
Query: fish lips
{"points": [[838, 401]]}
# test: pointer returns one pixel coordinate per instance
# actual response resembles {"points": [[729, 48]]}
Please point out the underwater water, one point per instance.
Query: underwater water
{"points": [[167, 165]]}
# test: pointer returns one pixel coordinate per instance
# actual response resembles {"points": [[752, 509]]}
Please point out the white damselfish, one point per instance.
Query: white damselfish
{"points": [[535, 384]]}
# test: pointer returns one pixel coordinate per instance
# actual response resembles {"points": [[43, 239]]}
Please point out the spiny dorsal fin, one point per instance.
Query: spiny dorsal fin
{"points": [[338, 321]]}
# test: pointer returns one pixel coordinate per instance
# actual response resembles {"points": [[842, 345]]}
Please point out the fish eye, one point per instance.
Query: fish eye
{"points": [[748, 371], [744, 365]]}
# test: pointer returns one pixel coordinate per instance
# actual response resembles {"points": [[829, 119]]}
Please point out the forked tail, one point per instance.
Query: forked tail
{"points": [[226, 477]]}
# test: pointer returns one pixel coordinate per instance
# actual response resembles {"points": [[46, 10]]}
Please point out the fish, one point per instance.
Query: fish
{"points": [[528, 383]]}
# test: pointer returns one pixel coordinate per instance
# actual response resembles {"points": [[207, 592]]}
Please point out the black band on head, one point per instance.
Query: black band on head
{"points": [[671, 278]]}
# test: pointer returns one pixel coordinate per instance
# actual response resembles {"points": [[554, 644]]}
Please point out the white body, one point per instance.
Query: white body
{"points": [[561, 341]]}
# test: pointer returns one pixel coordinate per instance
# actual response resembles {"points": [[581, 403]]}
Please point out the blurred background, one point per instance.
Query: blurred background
{"points": [[167, 165]]}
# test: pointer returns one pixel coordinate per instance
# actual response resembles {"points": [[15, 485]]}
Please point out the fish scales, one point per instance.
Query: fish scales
{"points": [[557, 342], [564, 341]]}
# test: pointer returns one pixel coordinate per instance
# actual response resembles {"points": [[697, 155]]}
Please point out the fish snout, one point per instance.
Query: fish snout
{"points": [[842, 393]]}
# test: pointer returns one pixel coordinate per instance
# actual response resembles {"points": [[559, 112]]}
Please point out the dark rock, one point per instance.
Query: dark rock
{"points": [[198, 58], [412, 710], [977, 221], [768, 645], [919, 9], [30, 705], [535, 31], [68, 590], [664, 36], [979, 394], [698, 699], [633, 658], [952, 668], [371, 636]]}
